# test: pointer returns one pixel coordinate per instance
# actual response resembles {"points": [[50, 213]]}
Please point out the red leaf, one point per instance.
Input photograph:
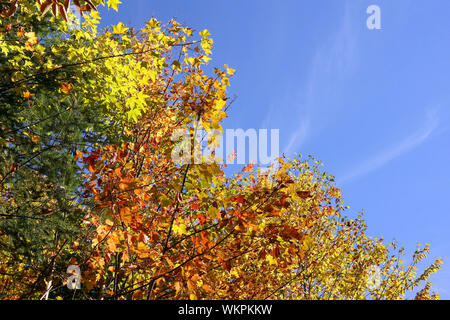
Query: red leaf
{"points": [[304, 194], [201, 218], [276, 252], [238, 199]]}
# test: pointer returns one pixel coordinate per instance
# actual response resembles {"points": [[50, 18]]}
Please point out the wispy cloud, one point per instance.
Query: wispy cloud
{"points": [[329, 65], [299, 136], [379, 160]]}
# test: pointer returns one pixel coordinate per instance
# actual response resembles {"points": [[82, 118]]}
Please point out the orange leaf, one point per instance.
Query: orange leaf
{"points": [[248, 168], [195, 206], [27, 94], [79, 155], [91, 168], [111, 245], [178, 286], [207, 288], [201, 218], [138, 295], [66, 88]]}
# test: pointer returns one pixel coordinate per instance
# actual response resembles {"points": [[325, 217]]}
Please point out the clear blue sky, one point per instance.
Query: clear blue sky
{"points": [[373, 105]]}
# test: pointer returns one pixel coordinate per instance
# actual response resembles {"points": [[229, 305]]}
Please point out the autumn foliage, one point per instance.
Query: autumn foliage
{"points": [[139, 225]]}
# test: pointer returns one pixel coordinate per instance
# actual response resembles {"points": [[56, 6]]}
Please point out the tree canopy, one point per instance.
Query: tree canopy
{"points": [[87, 178]]}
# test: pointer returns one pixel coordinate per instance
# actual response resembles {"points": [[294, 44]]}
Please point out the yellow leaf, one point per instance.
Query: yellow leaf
{"points": [[307, 242], [31, 41], [153, 23], [212, 212], [230, 71], [204, 34], [271, 259], [169, 262], [180, 229], [120, 28], [206, 59], [114, 4], [95, 15]]}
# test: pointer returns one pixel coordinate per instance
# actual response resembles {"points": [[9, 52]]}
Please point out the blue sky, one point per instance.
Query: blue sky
{"points": [[372, 105]]}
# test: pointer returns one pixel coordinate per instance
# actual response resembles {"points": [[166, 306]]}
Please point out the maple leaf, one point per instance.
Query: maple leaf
{"points": [[66, 87], [120, 28], [27, 94], [205, 34], [114, 4]]}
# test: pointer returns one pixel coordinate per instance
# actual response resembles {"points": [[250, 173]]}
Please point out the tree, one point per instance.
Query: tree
{"points": [[58, 7], [89, 179], [44, 120]]}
